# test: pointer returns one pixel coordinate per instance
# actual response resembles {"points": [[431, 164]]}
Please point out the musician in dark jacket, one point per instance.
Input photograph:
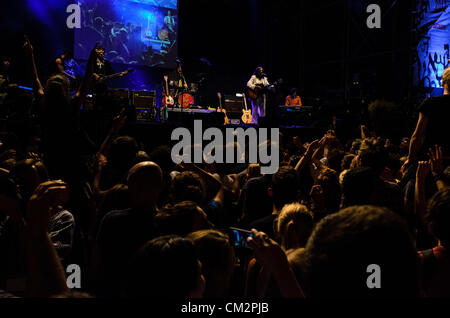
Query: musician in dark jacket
{"points": [[102, 68]]}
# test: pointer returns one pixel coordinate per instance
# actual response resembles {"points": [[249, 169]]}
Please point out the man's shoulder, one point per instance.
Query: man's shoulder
{"points": [[117, 214], [268, 219], [255, 181], [434, 101]]}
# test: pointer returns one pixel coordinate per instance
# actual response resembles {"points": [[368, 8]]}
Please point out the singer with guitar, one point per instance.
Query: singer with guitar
{"points": [[257, 92]]}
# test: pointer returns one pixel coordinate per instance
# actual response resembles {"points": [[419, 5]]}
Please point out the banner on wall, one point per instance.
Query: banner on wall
{"points": [[433, 24]]}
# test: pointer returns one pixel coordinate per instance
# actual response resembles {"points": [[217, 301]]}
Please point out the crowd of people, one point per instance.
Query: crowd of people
{"points": [[140, 226]]}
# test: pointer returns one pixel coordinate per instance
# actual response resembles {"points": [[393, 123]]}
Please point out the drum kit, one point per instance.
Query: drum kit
{"points": [[187, 98]]}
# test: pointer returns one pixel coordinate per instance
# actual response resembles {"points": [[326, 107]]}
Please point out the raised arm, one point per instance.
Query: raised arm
{"points": [[82, 90], [437, 167], [420, 200], [60, 65], [304, 161], [274, 260], [29, 54], [417, 138], [46, 276]]}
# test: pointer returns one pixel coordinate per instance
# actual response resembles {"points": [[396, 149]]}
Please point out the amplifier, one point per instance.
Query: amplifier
{"points": [[144, 99], [120, 93], [233, 104]]}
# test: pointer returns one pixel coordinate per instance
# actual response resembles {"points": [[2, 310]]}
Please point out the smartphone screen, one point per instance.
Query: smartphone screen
{"points": [[239, 237]]}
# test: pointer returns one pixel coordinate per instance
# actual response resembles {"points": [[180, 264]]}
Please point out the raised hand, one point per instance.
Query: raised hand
{"points": [[267, 252], [27, 47], [311, 148], [100, 162], [119, 121], [317, 194], [46, 196], [436, 160], [8, 154], [423, 170]]}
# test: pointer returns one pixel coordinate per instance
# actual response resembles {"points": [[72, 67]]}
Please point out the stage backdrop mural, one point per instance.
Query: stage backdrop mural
{"points": [[433, 25], [139, 32]]}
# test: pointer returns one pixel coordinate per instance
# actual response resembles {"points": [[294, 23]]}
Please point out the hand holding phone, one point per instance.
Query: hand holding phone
{"points": [[239, 237]]}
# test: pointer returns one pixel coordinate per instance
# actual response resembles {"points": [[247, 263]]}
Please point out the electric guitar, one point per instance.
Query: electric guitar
{"points": [[221, 110], [168, 99], [246, 113], [107, 77], [148, 32]]}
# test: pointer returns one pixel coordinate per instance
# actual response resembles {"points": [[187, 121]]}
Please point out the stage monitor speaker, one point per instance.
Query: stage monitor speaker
{"points": [[233, 104]]}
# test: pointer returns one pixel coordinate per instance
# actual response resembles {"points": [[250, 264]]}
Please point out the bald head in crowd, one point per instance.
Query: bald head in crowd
{"points": [[145, 182]]}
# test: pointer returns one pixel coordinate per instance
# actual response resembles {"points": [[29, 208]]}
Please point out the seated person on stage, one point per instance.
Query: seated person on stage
{"points": [[293, 99]]}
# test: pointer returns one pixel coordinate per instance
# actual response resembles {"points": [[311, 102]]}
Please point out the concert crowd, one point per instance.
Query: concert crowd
{"points": [[140, 226]]}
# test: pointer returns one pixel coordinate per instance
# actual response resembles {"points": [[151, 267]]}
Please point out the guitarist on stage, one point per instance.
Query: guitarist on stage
{"points": [[103, 110], [102, 68], [258, 85]]}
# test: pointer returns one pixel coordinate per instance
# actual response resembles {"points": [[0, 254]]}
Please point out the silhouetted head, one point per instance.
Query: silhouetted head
{"points": [[123, 152], [339, 255], [358, 187], [285, 187], [57, 87], [67, 55], [144, 183], [165, 268], [181, 219], [294, 226], [217, 257], [188, 186]]}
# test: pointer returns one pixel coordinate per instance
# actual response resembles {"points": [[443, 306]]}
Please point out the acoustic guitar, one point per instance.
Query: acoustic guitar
{"points": [[253, 94], [221, 110], [260, 89], [246, 113]]}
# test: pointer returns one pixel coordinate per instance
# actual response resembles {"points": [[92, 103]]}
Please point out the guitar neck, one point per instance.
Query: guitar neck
{"points": [[111, 76], [245, 101], [167, 86], [220, 102]]}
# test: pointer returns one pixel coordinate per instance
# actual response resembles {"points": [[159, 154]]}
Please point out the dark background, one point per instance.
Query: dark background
{"points": [[321, 47]]}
